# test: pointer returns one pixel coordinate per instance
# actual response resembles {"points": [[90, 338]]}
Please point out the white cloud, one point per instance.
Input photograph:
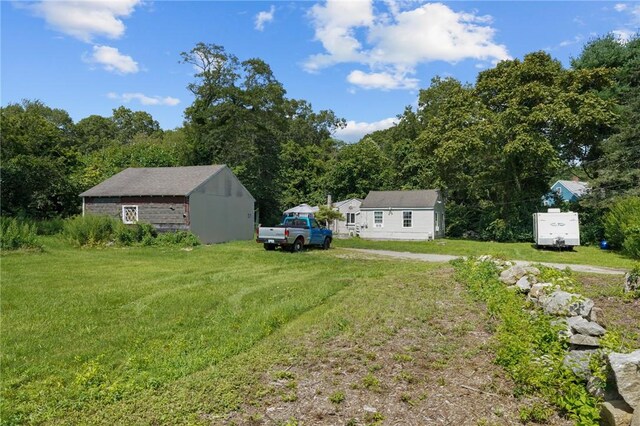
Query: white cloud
{"points": [[620, 7], [264, 17], [85, 20], [354, 131], [112, 60], [144, 99], [381, 80], [392, 44], [623, 35]]}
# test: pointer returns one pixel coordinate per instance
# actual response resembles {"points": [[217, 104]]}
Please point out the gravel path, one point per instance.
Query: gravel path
{"points": [[426, 257]]}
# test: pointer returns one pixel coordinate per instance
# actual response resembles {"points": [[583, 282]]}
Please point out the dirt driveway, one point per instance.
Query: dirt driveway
{"points": [[426, 257]]}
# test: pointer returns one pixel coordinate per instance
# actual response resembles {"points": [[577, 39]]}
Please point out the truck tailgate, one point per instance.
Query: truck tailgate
{"points": [[275, 233]]}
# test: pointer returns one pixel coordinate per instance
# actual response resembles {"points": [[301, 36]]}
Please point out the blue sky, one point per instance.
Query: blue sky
{"points": [[365, 60]]}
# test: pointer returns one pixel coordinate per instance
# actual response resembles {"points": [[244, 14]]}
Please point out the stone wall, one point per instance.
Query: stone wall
{"points": [[577, 319]]}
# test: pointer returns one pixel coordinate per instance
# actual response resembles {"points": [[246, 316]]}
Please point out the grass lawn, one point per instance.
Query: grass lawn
{"points": [[585, 255], [234, 334]]}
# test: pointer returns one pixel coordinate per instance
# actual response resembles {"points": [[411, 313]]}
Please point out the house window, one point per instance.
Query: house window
{"points": [[351, 218], [377, 220], [129, 214], [407, 219]]}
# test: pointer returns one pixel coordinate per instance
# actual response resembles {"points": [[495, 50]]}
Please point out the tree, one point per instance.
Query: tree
{"points": [[618, 168], [95, 132], [131, 123], [38, 153]]}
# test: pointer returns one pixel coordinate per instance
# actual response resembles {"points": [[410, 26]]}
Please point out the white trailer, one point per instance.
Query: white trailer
{"points": [[556, 229]]}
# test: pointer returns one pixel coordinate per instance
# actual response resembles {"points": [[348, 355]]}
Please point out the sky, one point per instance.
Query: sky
{"points": [[365, 60]]}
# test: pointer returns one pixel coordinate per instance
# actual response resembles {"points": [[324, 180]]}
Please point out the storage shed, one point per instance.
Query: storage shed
{"points": [[402, 215], [209, 201]]}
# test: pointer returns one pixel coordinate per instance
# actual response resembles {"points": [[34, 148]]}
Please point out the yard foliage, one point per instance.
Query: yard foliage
{"points": [[527, 345], [622, 225], [17, 234], [98, 230]]}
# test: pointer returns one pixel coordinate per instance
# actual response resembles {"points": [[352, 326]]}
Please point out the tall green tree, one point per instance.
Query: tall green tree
{"points": [[38, 152]]}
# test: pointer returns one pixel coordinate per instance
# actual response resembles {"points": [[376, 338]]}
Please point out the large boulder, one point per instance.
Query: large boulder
{"points": [[578, 362], [562, 303], [523, 284], [582, 326], [626, 369], [512, 275], [615, 413], [582, 340]]}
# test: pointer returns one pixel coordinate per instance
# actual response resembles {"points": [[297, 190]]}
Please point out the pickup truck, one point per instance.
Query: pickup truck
{"points": [[294, 233]]}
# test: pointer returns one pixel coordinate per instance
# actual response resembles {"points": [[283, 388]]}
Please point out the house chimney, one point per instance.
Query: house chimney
{"points": [[575, 179]]}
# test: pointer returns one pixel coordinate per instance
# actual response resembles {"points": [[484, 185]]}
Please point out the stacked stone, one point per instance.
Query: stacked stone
{"points": [[577, 318]]}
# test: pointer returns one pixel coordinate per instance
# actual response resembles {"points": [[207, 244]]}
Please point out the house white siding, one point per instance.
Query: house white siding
{"points": [[350, 209], [394, 221]]}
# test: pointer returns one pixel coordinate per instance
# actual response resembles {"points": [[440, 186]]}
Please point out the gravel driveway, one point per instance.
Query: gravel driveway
{"points": [[426, 257]]}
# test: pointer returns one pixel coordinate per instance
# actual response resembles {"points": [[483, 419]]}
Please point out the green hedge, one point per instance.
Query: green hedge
{"points": [[622, 226]]}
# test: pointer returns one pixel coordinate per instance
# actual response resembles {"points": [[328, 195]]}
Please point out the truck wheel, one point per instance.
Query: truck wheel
{"points": [[269, 247], [326, 244], [297, 245]]}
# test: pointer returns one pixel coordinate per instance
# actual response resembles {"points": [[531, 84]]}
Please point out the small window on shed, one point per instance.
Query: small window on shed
{"points": [[130, 214]]}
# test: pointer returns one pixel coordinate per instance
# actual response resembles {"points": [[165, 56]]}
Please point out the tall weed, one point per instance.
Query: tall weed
{"points": [[16, 234]]}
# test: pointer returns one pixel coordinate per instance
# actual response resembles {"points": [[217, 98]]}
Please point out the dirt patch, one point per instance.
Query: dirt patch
{"points": [[620, 313], [416, 371]]}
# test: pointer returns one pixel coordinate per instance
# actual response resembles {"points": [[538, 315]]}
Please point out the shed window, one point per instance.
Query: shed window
{"points": [[129, 214], [407, 219], [377, 219], [351, 218]]}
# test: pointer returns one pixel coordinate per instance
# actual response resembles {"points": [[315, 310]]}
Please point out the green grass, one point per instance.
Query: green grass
{"points": [[157, 335], [585, 255]]}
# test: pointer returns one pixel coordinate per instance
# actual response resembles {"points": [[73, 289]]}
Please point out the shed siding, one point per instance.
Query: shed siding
{"points": [[165, 213], [222, 210]]}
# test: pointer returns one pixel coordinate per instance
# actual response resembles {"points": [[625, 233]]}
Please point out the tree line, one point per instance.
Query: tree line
{"points": [[493, 147]]}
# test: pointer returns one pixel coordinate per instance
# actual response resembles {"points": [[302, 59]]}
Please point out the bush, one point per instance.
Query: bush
{"points": [[15, 234], [622, 226], [181, 238], [90, 230]]}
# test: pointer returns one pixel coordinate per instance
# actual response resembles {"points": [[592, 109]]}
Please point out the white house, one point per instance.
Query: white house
{"points": [[402, 215], [350, 209]]}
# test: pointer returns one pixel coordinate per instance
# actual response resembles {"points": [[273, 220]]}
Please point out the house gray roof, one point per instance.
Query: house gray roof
{"points": [[423, 198], [575, 187], [158, 181], [340, 203]]}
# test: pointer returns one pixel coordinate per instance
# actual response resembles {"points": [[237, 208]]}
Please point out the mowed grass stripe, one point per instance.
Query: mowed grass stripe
{"points": [[86, 327]]}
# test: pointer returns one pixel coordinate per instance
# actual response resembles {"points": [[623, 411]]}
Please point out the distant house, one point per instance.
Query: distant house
{"points": [[402, 215], [350, 210], [209, 201], [567, 190]]}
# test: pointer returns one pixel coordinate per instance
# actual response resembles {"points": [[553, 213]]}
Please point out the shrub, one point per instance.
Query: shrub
{"points": [[90, 230], [622, 226], [15, 235], [181, 238]]}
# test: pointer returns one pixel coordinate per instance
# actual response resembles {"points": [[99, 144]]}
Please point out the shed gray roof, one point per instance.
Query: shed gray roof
{"points": [[150, 181], [422, 198]]}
